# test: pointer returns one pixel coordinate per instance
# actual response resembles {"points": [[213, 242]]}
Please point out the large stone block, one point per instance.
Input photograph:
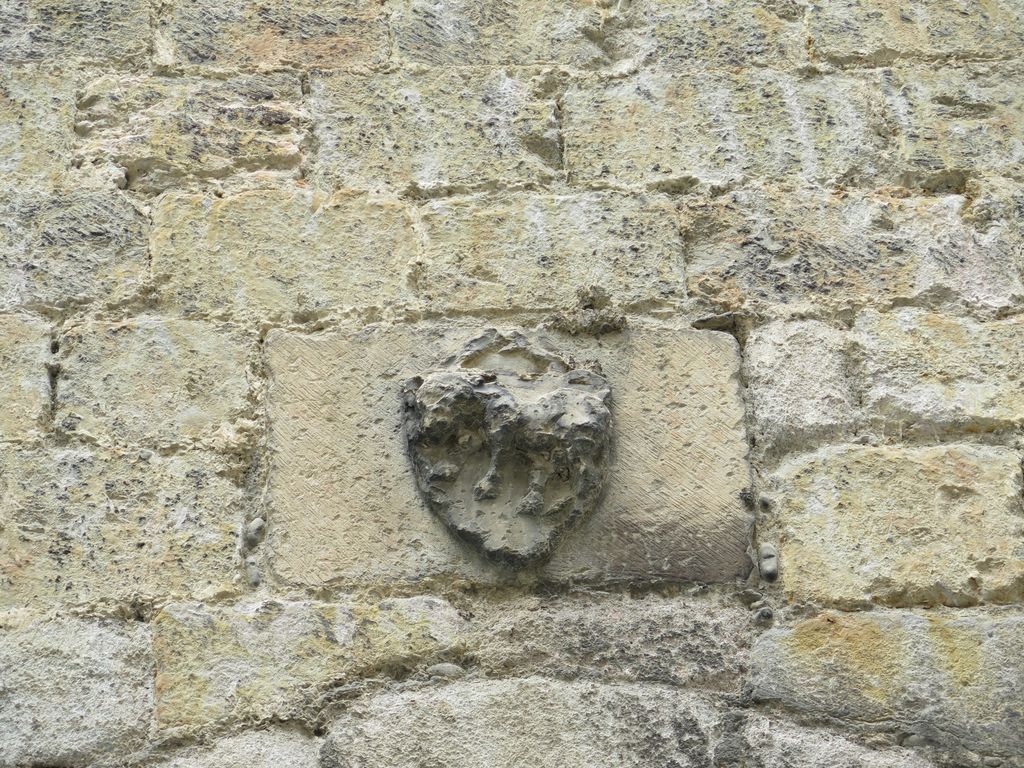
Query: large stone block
{"points": [[506, 723], [782, 251], [308, 34], [37, 115], [279, 255], [169, 132], [344, 505], [64, 33], [901, 526], [265, 659], [24, 378], [925, 373], [434, 130], [952, 679], [673, 131], [70, 246], [535, 251], [73, 692], [878, 32], [80, 526], [155, 382], [276, 747]]}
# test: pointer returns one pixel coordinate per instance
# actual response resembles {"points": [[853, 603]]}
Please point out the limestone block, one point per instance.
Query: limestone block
{"points": [[81, 526], [279, 255], [74, 691], [878, 32], [343, 500], [504, 33], [37, 113], [153, 381], [433, 131], [169, 132], [535, 251], [63, 33], [277, 747], [783, 251], [676, 641], [506, 723], [799, 384], [902, 526], [953, 679], [24, 379], [267, 659], [672, 131], [308, 34], [930, 373]]}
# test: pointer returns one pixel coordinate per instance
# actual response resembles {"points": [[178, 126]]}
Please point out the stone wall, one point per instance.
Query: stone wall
{"points": [[787, 235]]}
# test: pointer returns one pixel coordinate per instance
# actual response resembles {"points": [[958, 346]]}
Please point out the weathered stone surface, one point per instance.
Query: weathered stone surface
{"points": [[534, 251], [80, 526], [279, 255], [434, 131], [219, 34], [780, 251], [799, 384], [676, 641], [36, 119], [953, 679], [926, 372], [877, 32], [509, 444], [506, 32], [73, 691], [344, 502], [154, 382], [70, 246], [505, 723], [63, 33], [902, 526], [671, 132], [265, 659], [276, 747], [24, 380], [164, 132]]}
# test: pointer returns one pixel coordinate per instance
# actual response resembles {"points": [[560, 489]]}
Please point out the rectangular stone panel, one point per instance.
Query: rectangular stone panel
{"points": [[74, 691], [535, 251], [24, 377], [87, 527], [155, 382], [37, 114], [900, 526], [433, 131], [241, 34], [277, 747], [172, 132], [280, 255], [344, 507]]}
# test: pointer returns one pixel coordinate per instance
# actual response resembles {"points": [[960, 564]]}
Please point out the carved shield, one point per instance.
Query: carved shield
{"points": [[508, 444]]}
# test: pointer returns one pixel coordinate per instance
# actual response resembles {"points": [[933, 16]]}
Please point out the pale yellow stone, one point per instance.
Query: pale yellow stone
{"points": [[433, 130], [535, 251], [89, 527], [901, 526], [229, 34], [154, 382], [24, 378], [37, 113], [265, 659], [280, 254], [344, 508], [170, 132]]}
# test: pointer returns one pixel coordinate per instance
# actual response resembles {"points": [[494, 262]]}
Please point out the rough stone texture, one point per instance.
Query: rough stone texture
{"points": [[37, 112], [24, 381], [280, 254], [73, 691], [524, 722], [434, 131], [267, 659], [82, 526], [343, 500], [952, 679], [271, 748], [922, 526], [154, 382]]}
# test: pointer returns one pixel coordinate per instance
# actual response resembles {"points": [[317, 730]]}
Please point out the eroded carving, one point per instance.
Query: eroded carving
{"points": [[509, 444]]}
